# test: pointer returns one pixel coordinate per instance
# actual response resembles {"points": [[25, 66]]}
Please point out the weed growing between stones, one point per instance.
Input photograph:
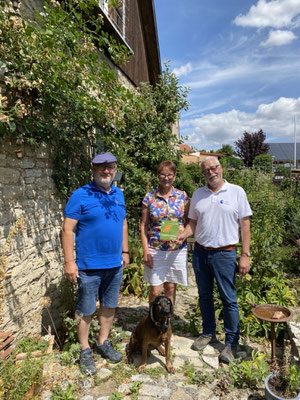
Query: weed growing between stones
{"points": [[135, 390], [29, 344], [196, 376], [18, 378], [59, 394], [249, 373], [115, 396], [122, 372], [155, 373]]}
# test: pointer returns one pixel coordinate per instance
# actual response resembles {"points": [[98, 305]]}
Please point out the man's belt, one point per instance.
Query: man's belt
{"points": [[224, 248]]}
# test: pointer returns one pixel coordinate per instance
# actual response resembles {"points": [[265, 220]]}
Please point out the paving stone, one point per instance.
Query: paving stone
{"points": [[180, 394], [211, 357], [105, 389], [155, 391], [104, 373], [141, 378], [205, 393], [125, 388]]}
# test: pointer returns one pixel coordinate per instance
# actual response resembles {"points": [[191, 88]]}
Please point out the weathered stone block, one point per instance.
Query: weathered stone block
{"points": [[9, 175], [33, 172]]}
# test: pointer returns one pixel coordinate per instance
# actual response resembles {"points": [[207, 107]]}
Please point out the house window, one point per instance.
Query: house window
{"points": [[116, 15]]}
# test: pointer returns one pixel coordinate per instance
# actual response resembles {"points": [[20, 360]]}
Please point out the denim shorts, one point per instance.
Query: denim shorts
{"points": [[98, 283]]}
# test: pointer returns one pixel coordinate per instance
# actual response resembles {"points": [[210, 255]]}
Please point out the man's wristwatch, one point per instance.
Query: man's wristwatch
{"points": [[247, 254], [125, 252]]}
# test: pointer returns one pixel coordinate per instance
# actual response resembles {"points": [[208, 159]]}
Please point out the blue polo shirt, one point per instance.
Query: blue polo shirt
{"points": [[99, 231]]}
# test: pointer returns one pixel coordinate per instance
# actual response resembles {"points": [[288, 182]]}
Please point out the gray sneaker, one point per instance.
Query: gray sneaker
{"points": [[87, 364], [203, 341], [107, 351], [228, 354]]}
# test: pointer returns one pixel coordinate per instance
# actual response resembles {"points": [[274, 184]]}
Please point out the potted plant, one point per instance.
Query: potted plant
{"points": [[284, 382]]}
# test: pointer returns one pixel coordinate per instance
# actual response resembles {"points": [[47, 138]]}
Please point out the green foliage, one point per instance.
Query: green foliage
{"points": [[195, 321], [133, 281], [135, 390], [189, 178], [226, 150], [249, 373], [68, 296], [117, 335], [230, 162], [29, 344], [59, 394], [59, 91], [292, 379], [281, 170], [156, 372], [197, 377], [122, 372], [71, 355], [263, 162], [115, 396], [70, 328], [18, 377]]}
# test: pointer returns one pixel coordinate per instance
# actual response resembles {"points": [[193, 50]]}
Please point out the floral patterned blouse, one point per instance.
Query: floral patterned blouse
{"points": [[160, 209]]}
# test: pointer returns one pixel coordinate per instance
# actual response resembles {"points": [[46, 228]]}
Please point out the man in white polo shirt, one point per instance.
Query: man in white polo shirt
{"points": [[218, 211]]}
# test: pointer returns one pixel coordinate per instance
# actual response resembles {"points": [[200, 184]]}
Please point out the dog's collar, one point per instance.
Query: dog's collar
{"points": [[162, 326]]}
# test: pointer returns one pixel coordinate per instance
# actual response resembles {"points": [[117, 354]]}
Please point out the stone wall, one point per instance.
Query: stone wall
{"points": [[31, 216]]}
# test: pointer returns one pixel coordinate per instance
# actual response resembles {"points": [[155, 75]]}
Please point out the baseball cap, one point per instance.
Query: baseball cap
{"points": [[104, 158]]}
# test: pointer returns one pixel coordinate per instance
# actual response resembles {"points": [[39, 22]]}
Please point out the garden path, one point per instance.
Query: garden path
{"points": [[120, 381]]}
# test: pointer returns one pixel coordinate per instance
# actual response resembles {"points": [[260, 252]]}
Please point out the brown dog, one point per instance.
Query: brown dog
{"points": [[152, 332]]}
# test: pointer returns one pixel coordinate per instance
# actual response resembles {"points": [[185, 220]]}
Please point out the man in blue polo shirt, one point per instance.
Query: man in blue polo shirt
{"points": [[96, 214]]}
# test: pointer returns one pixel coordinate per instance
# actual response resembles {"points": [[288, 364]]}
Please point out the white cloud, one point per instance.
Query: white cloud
{"points": [[275, 14], [246, 69], [279, 38], [183, 70], [212, 130]]}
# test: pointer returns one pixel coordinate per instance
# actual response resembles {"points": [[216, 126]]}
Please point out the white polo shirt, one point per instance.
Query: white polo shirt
{"points": [[218, 214]]}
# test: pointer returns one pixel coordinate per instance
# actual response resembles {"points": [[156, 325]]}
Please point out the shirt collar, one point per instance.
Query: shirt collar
{"points": [[223, 188], [172, 194], [95, 187]]}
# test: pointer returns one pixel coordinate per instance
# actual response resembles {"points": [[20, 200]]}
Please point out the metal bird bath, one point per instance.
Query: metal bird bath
{"points": [[274, 314]]}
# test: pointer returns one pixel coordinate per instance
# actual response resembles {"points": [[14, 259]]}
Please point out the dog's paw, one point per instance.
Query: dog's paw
{"points": [[141, 368], [171, 369]]}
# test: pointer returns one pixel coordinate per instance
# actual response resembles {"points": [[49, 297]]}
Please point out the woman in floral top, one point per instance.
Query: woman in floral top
{"points": [[164, 213]]}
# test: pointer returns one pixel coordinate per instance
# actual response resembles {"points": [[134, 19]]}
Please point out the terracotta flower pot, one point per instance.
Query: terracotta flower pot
{"points": [[269, 395]]}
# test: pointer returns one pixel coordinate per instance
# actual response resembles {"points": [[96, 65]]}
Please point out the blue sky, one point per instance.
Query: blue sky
{"points": [[241, 60]]}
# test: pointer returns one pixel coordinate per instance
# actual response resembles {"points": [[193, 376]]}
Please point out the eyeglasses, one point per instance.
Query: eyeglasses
{"points": [[212, 169], [166, 176], [104, 167]]}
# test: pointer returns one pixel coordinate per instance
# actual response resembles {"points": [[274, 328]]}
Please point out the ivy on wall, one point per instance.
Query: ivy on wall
{"points": [[59, 90]]}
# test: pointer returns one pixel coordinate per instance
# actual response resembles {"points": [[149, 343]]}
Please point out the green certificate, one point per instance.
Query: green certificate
{"points": [[169, 230]]}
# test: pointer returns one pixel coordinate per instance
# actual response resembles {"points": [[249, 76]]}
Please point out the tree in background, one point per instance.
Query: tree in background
{"points": [[263, 162], [226, 149], [250, 146], [228, 160]]}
